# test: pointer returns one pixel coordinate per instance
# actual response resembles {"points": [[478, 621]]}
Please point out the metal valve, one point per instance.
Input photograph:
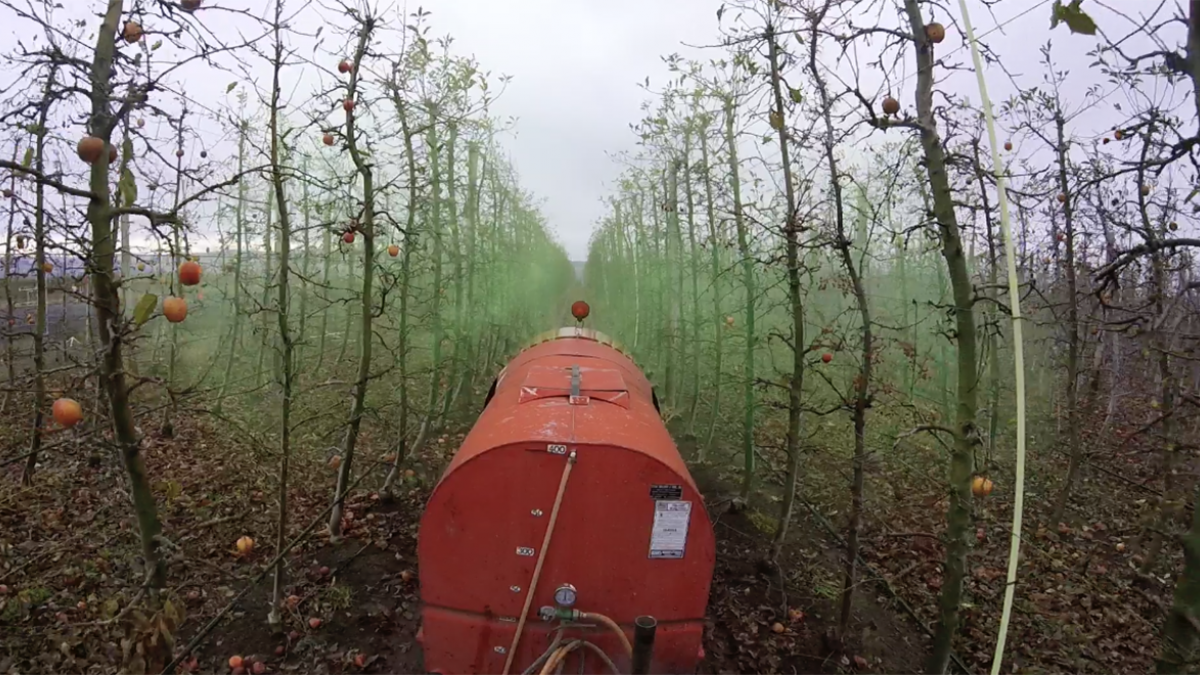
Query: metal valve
{"points": [[548, 613]]}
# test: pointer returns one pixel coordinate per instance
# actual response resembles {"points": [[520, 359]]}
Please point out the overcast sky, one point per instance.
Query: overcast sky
{"points": [[576, 67]]}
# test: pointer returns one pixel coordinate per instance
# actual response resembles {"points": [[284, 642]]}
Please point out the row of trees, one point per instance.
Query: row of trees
{"points": [[796, 240], [370, 238]]}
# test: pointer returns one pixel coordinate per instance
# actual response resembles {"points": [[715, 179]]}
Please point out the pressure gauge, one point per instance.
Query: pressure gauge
{"points": [[565, 596]]}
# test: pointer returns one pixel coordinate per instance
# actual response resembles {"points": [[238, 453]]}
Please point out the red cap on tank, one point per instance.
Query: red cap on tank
{"points": [[580, 310]]}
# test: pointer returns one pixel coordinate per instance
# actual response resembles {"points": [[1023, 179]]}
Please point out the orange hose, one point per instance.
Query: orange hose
{"points": [[558, 655], [537, 569], [611, 625]]}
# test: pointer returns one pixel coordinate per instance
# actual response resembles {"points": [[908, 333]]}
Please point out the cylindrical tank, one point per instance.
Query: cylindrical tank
{"points": [[631, 538]]}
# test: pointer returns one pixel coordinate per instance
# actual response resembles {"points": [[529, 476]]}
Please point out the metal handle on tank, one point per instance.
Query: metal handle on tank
{"points": [[644, 628]]}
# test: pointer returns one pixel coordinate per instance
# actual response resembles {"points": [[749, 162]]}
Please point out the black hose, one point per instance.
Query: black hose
{"points": [[644, 628]]}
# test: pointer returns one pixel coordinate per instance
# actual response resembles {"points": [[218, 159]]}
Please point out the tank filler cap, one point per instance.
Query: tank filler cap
{"points": [[565, 596], [580, 310]]}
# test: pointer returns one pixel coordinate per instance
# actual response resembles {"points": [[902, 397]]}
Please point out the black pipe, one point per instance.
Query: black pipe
{"points": [[643, 644]]}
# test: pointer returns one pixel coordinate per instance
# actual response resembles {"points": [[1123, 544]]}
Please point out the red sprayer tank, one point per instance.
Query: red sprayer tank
{"points": [[571, 420]]}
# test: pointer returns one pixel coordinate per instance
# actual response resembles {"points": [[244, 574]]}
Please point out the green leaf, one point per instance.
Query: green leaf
{"points": [[128, 187], [230, 87], [1081, 23], [127, 150], [797, 97], [28, 159], [1076, 19], [145, 307], [156, 45]]}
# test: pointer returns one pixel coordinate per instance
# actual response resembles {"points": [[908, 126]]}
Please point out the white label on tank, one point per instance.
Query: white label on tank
{"points": [[668, 536]]}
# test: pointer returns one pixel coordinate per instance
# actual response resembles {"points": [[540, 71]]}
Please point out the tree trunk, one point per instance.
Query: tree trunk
{"points": [[285, 336], [719, 324], [127, 269], [962, 458], [302, 331], [912, 353], [674, 272], [39, 328], [264, 345], [364, 338], [106, 297], [1160, 345], [1074, 447], [10, 354], [167, 429], [239, 231], [456, 354], [470, 324], [410, 242], [795, 300], [661, 346], [637, 235], [991, 344], [326, 262], [747, 257], [435, 222], [693, 259], [863, 381]]}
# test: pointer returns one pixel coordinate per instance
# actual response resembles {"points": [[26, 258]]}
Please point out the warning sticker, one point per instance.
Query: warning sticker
{"points": [[668, 536], [666, 492]]}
